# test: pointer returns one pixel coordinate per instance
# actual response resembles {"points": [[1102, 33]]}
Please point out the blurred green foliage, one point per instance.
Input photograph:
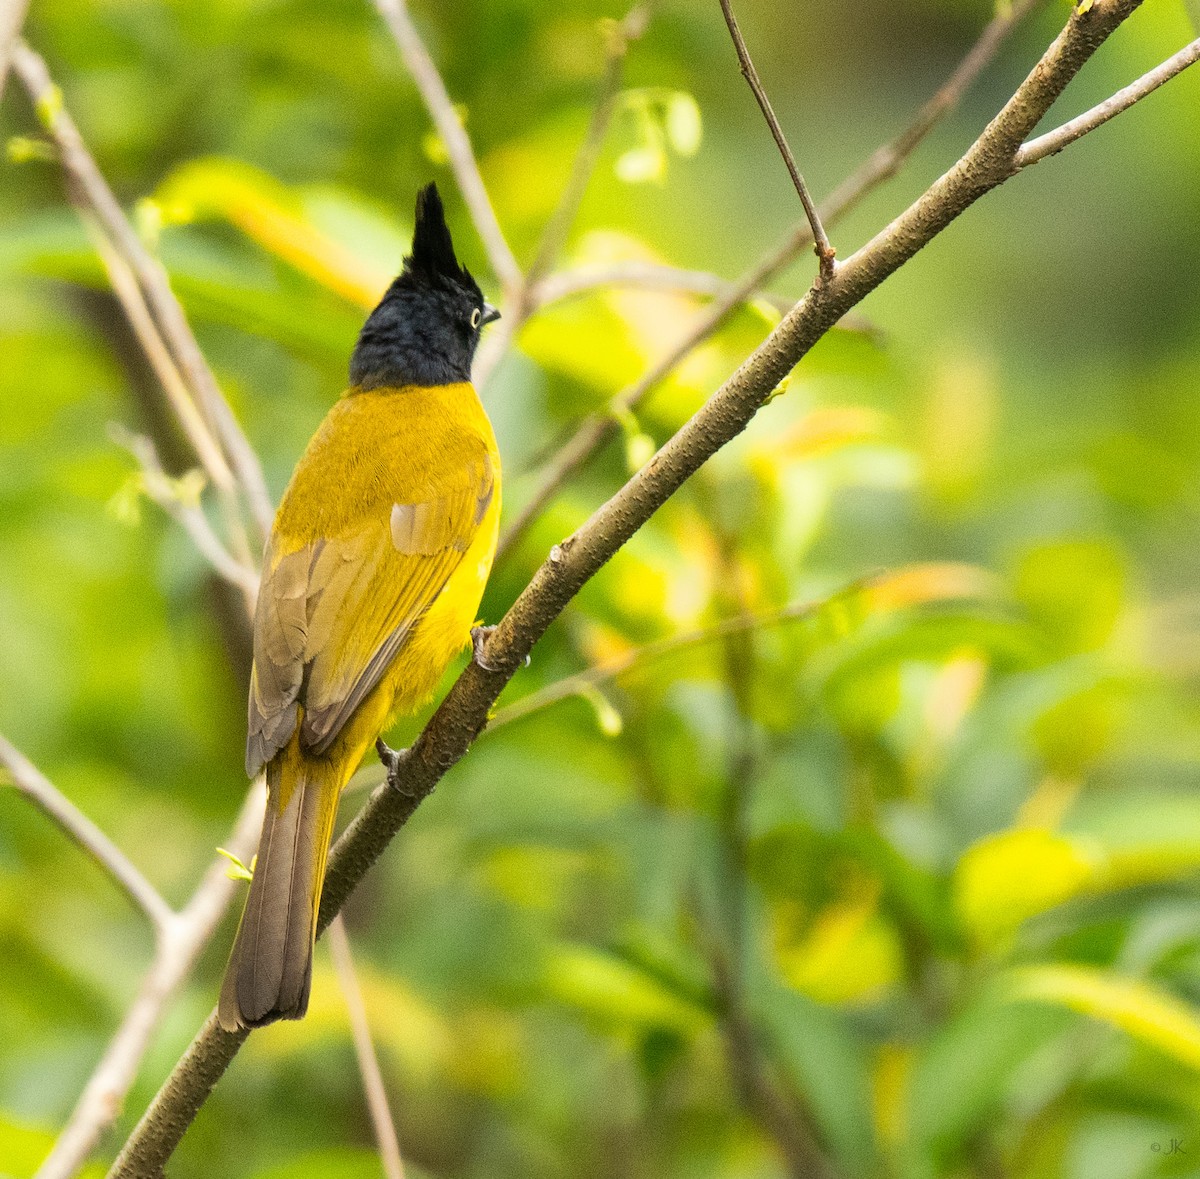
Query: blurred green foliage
{"points": [[946, 829]]}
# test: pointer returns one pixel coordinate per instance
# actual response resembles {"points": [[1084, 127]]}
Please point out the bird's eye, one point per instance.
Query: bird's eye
{"points": [[476, 316]]}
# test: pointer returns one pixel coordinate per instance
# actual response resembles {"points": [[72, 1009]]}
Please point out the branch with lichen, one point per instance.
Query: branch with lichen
{"points": [[463, 714], [595, 432]]}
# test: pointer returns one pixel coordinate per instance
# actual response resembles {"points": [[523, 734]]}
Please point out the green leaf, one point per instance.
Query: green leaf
{"points": [[966, 1073], [1074, 591], [821, 1055], [23, 1149], [1142, 1010], [614, 991]]}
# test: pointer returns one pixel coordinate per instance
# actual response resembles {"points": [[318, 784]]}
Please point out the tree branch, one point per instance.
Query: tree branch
{"points": [[125, 286], [611, 669], [88, 188], [1054, 141], [174, 958], [85, 834], [752, 1081], [595, 432], [12, 17], [364, 1048], [166, 492], [523, 299], [129, 295], [825, 252], [648, 276], [463, 713], [454, 135]]}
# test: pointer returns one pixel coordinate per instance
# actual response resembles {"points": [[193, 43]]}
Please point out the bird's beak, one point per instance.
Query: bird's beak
{"points": [[490, 314]]}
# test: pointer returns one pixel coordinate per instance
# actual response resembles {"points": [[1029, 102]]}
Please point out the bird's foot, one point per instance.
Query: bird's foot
{"points": [[389, 757], [479, 638]]}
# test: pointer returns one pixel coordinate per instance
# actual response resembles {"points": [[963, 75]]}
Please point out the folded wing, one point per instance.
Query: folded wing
{"points": [[334, 613]]}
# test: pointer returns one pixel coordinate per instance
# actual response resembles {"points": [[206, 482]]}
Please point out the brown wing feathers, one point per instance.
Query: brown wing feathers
{"points": [[334, 613]]}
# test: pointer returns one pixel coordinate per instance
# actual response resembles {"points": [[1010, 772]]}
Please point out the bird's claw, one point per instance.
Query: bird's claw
{"points": [[389, 757], [479, 638]]}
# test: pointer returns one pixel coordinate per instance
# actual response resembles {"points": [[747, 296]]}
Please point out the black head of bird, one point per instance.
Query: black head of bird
{"points": [[426, 328]]}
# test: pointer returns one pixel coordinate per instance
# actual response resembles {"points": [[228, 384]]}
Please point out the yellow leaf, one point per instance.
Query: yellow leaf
{"points": [[49, 107], [930, 581], [21, 149], [266, 211], [1148, 1013], [1006, 878], [890, 1091], [607, 717], [828, 429], [849, 954]]}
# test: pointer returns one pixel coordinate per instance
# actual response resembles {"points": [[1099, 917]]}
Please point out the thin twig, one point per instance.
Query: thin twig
{"points": [[825, 252], [129, 295], [938, 581], [12, 17], [646, 276], [103, 1097], [620, 36], [1054, 141], [88, 185], [752, 1081], [524, 298], [463, 713], [454, 135], [595, 432], [166, 492], [611, 669], [83, 832], [364, 1048]]}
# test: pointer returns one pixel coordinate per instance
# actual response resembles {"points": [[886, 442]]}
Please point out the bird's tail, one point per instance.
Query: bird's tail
{"points": [[270, 968]]}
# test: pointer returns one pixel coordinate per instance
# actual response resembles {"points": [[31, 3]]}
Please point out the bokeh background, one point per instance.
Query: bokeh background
{"points": [[942, 833]]}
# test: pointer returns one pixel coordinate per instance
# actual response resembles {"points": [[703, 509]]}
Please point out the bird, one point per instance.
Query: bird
{"points": [[372, 576]]}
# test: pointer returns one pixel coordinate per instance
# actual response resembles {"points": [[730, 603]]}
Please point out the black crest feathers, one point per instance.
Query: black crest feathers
{"points": [[432, 254], [426, 328]]}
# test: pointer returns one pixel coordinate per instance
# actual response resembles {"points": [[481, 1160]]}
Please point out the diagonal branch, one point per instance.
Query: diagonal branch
{"points": [[88, 189], [186, 511], [364, 1048], [174, 957], [82, 831], [1054, 141], [582, 682], [463, 714], [595, 432], [12, 17], [125, 286], [454, 135], [825, 252]]}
